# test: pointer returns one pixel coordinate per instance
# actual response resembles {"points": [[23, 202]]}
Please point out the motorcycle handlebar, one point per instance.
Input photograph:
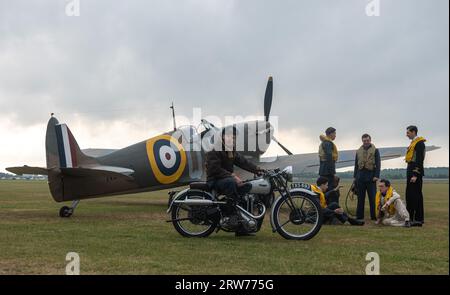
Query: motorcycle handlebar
{"points": [[271, 172]]}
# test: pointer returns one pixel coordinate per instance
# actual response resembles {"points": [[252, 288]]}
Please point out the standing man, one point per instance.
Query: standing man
{"points": [[366, 174], [415, 155], [328, 155]]}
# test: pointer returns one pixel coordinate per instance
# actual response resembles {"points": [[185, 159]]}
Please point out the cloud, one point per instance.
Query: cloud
{"points": [[126, 61]]}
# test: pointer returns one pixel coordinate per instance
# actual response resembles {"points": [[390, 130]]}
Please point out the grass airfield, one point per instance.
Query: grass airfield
{"points": [[129, 235]]}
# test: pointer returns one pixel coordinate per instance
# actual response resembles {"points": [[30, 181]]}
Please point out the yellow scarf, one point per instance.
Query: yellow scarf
{"points": [[389, 194], [323, 202], [410, 152], [335, 153]]}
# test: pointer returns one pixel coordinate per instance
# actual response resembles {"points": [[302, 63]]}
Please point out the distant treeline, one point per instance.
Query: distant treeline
{"points": [[431, 173], [4, 176], [400, 173]]}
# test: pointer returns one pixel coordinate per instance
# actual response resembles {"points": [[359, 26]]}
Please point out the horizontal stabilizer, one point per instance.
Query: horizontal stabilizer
{"points": [[28, 170]]}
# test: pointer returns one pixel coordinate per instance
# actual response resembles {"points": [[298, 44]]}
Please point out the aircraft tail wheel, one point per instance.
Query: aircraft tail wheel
{"points": [[68, 211], [65, 211]]}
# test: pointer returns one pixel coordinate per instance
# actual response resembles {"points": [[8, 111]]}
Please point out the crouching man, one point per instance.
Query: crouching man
{"points": [[332, 212], [390, 208]]}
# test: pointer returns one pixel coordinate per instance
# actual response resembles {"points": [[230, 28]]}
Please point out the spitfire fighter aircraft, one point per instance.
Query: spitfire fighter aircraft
{"points": [[175, 158]]}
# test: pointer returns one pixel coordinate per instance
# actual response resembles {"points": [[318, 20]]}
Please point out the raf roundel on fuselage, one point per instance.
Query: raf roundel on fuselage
{"points": [[167, 158]]}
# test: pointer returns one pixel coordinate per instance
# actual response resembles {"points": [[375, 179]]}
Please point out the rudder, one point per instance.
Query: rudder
{"points": [[62, 150]]}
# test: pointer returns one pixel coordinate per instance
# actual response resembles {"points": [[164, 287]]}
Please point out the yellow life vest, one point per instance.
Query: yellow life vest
{"points": [[389, 194], [366, 158], [411, 149], [323, 201], [322, 154]]}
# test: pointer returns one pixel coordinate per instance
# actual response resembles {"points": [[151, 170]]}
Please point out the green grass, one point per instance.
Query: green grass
{"points": [[129, 235]]}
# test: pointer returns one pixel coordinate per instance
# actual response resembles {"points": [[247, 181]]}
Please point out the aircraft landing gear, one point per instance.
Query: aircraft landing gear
{"points": [[68, 211]]}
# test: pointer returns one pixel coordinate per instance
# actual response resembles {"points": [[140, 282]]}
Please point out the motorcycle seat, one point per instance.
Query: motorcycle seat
{"points": [[201, 185]]}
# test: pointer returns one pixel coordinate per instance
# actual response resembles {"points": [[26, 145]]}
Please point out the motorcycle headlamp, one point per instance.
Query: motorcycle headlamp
{"points": [[287, 173]]}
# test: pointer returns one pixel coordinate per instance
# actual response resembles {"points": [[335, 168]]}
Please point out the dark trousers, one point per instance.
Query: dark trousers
{"points": [[414, 199], [328, 213], [370, 188], [228, 186]]}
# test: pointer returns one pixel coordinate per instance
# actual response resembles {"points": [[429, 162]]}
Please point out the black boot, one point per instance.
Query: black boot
{"points": [[353, 221], [416, 223], [242, 232]]}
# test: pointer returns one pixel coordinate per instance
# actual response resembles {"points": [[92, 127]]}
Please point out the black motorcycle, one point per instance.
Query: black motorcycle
{"points": [[198, 210]]}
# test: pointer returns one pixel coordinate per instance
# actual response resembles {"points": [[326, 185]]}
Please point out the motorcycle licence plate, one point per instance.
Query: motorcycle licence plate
{"points": [[301, 185]]}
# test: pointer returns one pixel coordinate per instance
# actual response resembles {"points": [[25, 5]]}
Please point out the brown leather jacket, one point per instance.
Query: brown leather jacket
{"points": [[220, 164]]}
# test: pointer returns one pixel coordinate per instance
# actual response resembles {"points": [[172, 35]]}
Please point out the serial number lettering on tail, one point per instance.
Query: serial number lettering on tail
{"points": [[246, 285]]}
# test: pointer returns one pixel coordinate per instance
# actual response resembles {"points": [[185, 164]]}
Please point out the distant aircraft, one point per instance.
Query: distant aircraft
{"points": [[161, 162]]}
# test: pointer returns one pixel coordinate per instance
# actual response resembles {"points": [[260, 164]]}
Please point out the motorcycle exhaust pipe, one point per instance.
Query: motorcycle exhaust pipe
{"points": [[198, 202], [250, 214]]}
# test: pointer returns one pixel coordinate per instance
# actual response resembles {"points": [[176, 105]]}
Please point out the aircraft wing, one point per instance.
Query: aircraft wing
{"points": [[302, 163]]}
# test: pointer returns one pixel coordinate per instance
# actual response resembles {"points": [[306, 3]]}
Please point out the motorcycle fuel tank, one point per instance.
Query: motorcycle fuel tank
{"points": [[260, 186]]}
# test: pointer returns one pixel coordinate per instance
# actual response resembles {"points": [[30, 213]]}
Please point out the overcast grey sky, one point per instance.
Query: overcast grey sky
{"points": [[112, 72]]}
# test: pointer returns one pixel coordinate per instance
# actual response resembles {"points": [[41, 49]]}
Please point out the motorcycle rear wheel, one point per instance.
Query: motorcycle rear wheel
{"points": [[191, 221]]}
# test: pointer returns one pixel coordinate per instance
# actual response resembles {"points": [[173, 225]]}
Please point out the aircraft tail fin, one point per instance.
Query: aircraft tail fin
{"points": [[62, 150]]}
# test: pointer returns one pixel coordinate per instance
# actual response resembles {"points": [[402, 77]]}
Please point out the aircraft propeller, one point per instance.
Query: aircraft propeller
{"points": [[267, 106]]}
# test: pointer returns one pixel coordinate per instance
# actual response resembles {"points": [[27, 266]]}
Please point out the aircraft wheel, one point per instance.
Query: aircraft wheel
{"points": [[65, 212]]}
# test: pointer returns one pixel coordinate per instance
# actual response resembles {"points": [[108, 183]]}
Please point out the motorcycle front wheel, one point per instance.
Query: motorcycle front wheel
{"points": [[298, 217]]}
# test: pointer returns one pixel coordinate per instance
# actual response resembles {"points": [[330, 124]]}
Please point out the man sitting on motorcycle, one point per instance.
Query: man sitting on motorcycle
{"points": [[220, 167]]}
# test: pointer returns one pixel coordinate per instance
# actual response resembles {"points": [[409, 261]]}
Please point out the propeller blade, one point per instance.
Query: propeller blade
{"points": [[282, 146], [268, 98]]}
